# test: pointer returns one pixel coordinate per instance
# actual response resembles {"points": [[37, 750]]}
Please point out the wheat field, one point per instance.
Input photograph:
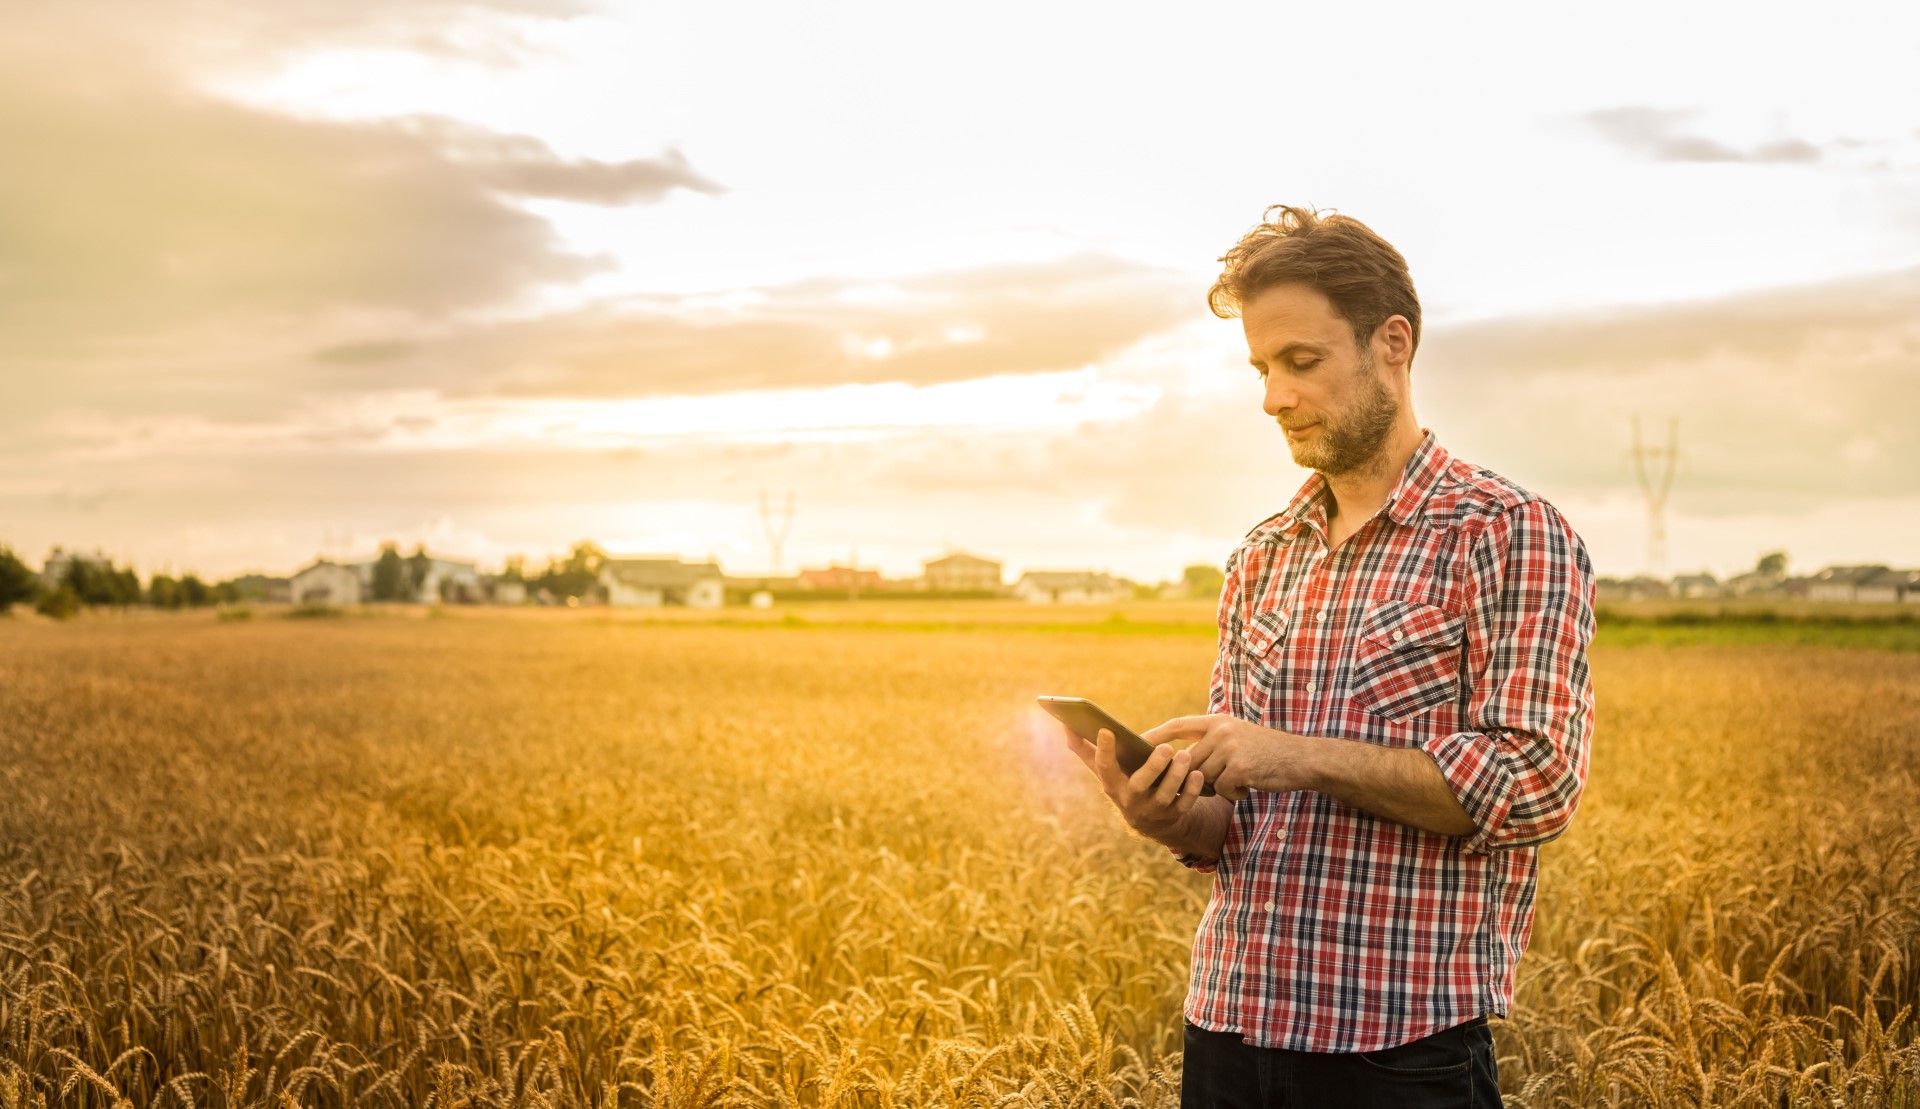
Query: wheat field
{"points": [[564, 859]]}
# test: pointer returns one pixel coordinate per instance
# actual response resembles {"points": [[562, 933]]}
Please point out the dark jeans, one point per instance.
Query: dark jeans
{"points": [[1452, 1067]]}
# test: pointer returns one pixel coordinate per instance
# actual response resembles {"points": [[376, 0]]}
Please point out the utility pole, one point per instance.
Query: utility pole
{"points": [[1654, 466], [776, 532]]}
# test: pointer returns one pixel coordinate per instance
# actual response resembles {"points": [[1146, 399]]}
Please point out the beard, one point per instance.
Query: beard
{"points": [[1353, 439]]}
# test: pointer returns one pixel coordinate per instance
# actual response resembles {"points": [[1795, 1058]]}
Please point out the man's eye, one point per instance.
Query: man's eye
{"points": [[1299, 366]]}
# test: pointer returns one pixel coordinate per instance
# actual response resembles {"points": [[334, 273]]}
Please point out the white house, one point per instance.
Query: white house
{"points": [[60, 559], [447, 579], [509, 592], [326, 583], [1068, 587], [653, 582], [441, 579], [1841, 583], [1890, 587]]}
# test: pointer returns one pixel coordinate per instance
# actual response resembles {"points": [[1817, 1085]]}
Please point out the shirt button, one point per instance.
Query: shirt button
{"points": [[1319, 615], [1309, 687], [1398, 636], [1269, 906]]}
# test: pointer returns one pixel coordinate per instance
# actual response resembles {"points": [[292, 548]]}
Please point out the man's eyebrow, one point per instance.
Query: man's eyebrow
{"points": [[1283, 352]]}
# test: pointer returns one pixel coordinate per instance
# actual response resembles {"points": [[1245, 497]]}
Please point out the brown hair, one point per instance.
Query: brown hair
{"points": [[1363, 276]]}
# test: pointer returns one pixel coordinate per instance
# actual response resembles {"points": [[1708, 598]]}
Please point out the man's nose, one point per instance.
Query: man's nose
{"points": [[1280, 397]]}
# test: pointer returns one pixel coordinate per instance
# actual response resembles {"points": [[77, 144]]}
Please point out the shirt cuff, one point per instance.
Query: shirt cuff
{"points": [[1205, 864], [1480, 781]]}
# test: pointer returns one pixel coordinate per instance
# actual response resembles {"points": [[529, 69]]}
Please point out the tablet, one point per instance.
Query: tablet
{"points": [[1085, 719]]}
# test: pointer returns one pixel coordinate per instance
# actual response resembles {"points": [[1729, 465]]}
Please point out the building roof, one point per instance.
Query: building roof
{"points": [[959, 558], [1846, 575], [659, 573], [1899, 579]]}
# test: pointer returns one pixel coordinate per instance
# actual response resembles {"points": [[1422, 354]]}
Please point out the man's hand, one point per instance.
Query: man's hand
{"points": [[1236, 756], [1156, 799]]}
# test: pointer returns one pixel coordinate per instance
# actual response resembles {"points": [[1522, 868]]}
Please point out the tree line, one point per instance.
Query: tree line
{"points": [[88, 583]]}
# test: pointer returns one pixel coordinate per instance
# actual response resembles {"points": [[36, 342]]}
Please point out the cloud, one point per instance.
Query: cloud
{"points": [[525, 166], [1786, 399], [140, 211], [1658, 134], [1017, 317]]}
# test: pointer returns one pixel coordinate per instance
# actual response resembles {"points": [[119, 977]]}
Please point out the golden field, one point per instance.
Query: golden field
{"points": [[568, 859]]}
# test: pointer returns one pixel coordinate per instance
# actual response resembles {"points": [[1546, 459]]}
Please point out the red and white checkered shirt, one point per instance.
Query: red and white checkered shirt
{"points": [[1456, 620]]}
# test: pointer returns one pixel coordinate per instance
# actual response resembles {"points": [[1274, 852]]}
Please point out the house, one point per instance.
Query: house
{"points": [[1889, 587], [450, 579], [960, 573], [842, 579], [1696, 586], [1841, 583], [327, 583], [60, 560], [1070, 587], [1641, 588], [1756, 583], [652, 582], [507, 592]]}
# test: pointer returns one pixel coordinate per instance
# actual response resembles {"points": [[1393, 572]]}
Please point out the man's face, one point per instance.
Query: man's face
{"points": [[1336, 409]]}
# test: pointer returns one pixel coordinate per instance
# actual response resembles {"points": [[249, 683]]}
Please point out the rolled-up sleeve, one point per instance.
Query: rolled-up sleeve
{"points": [[1520, 771]]}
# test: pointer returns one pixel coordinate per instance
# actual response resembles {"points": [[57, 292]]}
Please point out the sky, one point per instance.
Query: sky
{"points": [[289, 280]]}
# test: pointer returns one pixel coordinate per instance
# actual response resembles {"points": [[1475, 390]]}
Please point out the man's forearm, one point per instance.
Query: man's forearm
{"points": [[1403, 784], [1204, 832]]}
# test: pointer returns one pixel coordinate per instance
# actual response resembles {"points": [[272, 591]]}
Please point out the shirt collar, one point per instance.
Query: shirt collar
{"points": [[1417, 482]]}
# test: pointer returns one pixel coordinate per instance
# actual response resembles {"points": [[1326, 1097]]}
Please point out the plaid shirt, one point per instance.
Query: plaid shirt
{"points": [[1456, 620]]}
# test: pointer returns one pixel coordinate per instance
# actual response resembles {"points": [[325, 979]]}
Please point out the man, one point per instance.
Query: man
{"points": [[1400, 715]]}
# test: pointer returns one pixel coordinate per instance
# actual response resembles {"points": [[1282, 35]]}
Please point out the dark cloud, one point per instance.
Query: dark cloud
{"points": [[1659, 135]]}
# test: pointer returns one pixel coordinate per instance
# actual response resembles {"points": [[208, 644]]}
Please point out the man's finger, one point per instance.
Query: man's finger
{"points": [[1142, 779], [1190, 792], [1174, 780], [1106, 763], [1082, 750], [1177, 729]]}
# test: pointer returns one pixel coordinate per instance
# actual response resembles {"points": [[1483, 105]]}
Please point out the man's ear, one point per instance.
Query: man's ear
{"points": [[1396, 334]]}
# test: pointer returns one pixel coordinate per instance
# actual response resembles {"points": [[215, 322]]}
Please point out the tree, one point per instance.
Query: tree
{"points": [[576, 575], [389, 574], [18, 584], [194, 592], [1773, 564], [163, 592], [418, 564], [516, 569], [1202, 581]]}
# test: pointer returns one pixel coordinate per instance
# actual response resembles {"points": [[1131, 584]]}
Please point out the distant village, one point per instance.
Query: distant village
{"points": [[588, 577], [68, 580]]}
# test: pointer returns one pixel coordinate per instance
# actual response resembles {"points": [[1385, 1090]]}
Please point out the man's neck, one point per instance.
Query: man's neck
{"points": [[1358, 494]]}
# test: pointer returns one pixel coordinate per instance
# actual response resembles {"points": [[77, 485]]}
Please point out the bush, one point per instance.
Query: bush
{"points": [[61, 604], [309, 612], [237, 612]]}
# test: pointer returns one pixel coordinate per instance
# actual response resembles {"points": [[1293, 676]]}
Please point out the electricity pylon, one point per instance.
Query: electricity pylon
{"points": [[1654, 465], [776, 533]]}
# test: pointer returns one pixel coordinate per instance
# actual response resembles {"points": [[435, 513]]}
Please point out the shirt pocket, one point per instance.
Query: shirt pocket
{"points": [[1257, 651], [1408, 660]]}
